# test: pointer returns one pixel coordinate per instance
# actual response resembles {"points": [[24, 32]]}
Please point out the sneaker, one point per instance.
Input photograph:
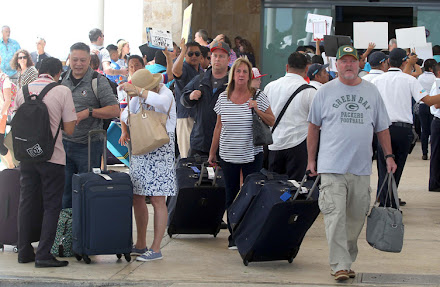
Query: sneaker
{"points": [[232, 246], [150, 255], [425, 157], [351, 273], [136, 252]]}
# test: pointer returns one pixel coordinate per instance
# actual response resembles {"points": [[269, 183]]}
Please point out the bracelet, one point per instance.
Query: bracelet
{"points": [[390, 155], [141, 92]]}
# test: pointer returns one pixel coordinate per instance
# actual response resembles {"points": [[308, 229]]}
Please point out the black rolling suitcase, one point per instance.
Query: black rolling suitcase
{"points": [[102, 212], [199, 204], [9, 202], [251, 187], [274, 228]]}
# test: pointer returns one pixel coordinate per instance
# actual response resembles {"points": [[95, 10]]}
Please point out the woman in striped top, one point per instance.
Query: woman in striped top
{"points": [[233, 130], [22, 62]]}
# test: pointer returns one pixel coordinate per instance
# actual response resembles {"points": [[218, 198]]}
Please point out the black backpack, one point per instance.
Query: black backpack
{"points": [[31, 133]]}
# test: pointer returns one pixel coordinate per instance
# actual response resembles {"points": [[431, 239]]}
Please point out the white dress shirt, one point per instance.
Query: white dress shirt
{"points": [[293, 127], [316, 84], [372, 74], [396, 89]]}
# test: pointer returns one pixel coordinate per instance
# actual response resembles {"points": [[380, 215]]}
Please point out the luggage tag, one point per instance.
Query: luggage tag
{"points": [[211, 172], [195, 169], [286, 196]]}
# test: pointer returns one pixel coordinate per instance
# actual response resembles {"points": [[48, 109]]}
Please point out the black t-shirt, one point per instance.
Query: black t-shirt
{"points": [[40, 59], [74, 80]]}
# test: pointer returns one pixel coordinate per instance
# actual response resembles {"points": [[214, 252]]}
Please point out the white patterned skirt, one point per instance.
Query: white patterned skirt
{"points": [[153, 174]]}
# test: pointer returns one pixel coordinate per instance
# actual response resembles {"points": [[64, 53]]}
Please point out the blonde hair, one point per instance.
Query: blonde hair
{"points": [[121, 45], [231, 82]]}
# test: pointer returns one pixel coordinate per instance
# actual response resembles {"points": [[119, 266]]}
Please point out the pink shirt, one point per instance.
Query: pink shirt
{"points": [[59, 104]]}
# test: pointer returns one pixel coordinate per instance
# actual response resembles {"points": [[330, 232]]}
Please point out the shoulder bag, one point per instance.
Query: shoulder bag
{"points": [[385, 227], [147, 129], [261, 131]]}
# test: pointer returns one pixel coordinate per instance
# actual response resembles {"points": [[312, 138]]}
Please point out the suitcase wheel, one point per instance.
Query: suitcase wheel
{"points": [[290, 259], [119, 256], [245, 262], [127, 257], [78, 257], [86, 259], [15, 249], [2, 247]]}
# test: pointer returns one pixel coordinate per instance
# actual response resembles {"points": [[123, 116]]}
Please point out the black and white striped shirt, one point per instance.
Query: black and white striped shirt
{"points": [[236, 138]]}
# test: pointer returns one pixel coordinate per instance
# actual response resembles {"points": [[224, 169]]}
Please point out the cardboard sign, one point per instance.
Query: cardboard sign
{"points": [[186, 25], [312, 18], [366, 32], [424, 52], [159, 39], [411, 37], [332, 43]]}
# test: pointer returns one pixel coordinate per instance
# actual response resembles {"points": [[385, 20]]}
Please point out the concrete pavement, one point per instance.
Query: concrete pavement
{"points": [[202, 260]]}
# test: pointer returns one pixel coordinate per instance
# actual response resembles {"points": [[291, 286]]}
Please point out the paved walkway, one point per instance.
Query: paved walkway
{"points": [[200, 260]]}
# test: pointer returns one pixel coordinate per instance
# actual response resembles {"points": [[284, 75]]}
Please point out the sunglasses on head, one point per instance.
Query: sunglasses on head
{"points": [[22, 57], [190, 54]]}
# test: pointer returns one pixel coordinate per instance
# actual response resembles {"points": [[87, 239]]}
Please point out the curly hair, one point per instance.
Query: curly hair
{"points": [[247, 46], [14, 61]]}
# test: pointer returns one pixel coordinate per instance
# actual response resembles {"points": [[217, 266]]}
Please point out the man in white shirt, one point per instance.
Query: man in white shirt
{"points": [[397, 89], [379, 65], [434, 165], [288, 153], [426, 79], [318, 75]]}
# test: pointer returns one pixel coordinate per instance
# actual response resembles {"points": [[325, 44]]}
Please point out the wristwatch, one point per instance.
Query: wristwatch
{"points": [[90, 111], [390, 155]]}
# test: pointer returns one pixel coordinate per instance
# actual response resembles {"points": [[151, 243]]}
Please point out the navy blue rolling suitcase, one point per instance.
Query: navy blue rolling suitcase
{"points": [[102, 212], [199, 204], [274, 228], [251, 187]]}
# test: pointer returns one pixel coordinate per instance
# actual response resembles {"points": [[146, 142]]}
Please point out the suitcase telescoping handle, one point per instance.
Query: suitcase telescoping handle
{"points": [[204, 170], [104, 151], [304, 179], [315, 184]]}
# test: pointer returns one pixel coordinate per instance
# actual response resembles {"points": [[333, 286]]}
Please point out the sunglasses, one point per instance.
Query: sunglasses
{"points": [[190, 54], [22, 57], [209, 58]]}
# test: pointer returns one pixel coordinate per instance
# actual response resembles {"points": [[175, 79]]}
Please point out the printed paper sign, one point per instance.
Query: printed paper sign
{"points": [[159, 39], [411, 37], [186, 25], [312, 18], [319, 30], [424, 52], [366, 32]]}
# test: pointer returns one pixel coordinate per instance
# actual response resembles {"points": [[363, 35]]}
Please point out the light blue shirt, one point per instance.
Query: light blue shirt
{"points": [[7, 52]]}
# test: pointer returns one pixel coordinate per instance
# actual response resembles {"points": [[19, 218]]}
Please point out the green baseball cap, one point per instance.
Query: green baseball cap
{"points": [[346, 50]]}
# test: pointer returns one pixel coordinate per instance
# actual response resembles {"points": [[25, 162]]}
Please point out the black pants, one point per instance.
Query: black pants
{"points": [[401, 138], [291, 161], [231, 173], [425, 122], [36, 178], [434, 166]]}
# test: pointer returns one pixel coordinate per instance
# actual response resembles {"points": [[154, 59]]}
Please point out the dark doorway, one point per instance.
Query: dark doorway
{"points": [[397, 17]]}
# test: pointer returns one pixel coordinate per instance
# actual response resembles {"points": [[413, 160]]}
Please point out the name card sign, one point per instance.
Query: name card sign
{"points": [[424, 52], [411, 37], [159, 39], [366, 32], [319, 25]]}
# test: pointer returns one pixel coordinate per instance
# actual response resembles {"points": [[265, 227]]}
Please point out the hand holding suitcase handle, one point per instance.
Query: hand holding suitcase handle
{"points": [[204, 171]]}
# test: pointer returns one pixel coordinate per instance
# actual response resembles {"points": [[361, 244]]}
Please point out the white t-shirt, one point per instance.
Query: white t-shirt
{"points": [[396, 89], [348, 117], [426, 80], [316, 84], [372, 74], [104, 55], [293, 127], [236, 137], [435, 90]]}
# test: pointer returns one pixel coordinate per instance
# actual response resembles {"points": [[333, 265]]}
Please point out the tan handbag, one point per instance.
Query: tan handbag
{"points": [[147, 130]]}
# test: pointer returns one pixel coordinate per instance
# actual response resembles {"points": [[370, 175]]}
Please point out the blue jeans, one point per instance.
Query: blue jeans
{"points": [[77, 162]]}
